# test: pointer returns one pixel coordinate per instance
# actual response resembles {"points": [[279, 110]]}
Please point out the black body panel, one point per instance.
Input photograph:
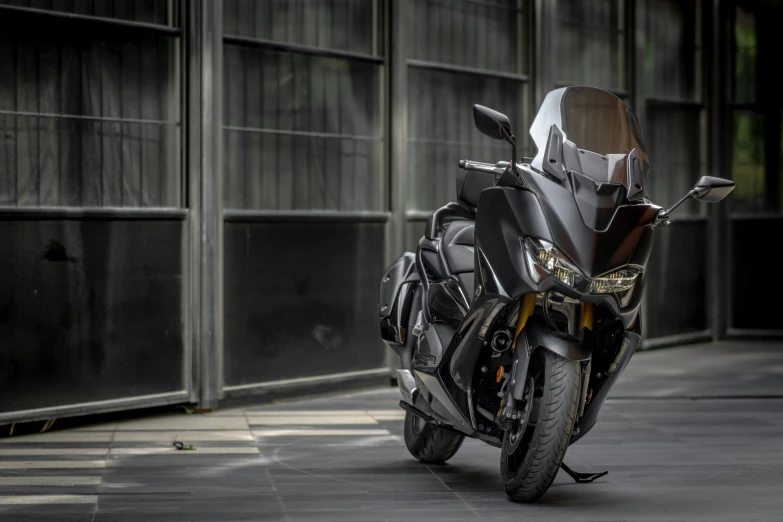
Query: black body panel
{"points": [[432, 345], [446, 302], [595, 252], [540, 335], [398, 287], [458, 243], [602, 386], [507, 215], [470, 184]]}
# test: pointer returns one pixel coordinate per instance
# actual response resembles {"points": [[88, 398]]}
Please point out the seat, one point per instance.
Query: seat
{"points": [[458, 244], [453, 224]]}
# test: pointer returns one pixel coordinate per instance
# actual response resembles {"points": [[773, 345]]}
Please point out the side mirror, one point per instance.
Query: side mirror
{"points": [[712, 190], [707, 189], [493, 124], [496, 126]]}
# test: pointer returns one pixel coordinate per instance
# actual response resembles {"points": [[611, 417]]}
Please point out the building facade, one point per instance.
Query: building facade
{"points": [[198, 197]]}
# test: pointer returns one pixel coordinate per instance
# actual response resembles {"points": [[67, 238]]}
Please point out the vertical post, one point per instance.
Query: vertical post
{"points": [[545, 48], [718, 250], [637, 39], [398, 124], [205, 56]]}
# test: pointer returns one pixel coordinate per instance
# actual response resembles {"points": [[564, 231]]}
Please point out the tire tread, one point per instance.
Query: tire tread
{"points": [[552, 433]]}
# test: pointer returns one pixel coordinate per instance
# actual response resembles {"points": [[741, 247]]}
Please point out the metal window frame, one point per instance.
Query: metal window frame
{"points": [[379, 59], [95, 407], [170, 30], [382, 39], [187, 392], [725, 20], [402, 63], [704, 104]]}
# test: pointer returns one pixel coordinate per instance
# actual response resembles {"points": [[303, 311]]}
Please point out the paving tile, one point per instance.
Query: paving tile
{"points": [[60, 436], [47, 499], [185, 436], [185, 422], [51, 464]]}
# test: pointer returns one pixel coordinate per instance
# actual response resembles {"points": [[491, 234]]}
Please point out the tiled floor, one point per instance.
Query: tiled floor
{"points": [[677, 447]]}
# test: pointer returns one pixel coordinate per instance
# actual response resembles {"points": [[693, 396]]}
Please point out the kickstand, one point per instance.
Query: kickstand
{"points": [[582, 478]]}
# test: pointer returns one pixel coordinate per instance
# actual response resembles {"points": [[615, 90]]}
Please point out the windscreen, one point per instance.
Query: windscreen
{"points": [[601, 126]]}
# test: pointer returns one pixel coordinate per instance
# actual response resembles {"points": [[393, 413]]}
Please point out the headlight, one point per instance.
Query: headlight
{"points": [[544, 259], [620, 283], [617, 281]]}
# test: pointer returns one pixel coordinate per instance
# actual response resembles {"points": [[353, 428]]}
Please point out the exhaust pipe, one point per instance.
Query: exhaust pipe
{"points": [[407, 385]]}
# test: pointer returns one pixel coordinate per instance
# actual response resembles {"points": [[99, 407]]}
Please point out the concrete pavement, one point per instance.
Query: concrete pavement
{"points": [[690, 434]]}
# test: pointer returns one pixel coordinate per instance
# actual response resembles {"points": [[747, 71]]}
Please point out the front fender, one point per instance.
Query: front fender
{"points": [[540, 335]]}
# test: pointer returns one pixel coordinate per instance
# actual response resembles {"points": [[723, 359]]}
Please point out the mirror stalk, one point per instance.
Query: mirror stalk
{"points": [[663, 215], [512, 140]]}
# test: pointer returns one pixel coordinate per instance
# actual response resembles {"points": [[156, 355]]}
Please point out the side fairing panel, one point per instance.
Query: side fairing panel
{"points": [[595, 252], [505, 215]]}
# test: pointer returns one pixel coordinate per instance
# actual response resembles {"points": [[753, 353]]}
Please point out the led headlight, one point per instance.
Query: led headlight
{"points": [[620, 282], [617, 281], [544, 259]]}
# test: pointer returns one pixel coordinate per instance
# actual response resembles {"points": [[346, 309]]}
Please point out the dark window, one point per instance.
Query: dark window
{"points": [[675, 113], [441, 130], [756, 162], [346, 25], [591, 44], [302, 132], [483, 35], [89, 114], [486, 37], [160, 12]]}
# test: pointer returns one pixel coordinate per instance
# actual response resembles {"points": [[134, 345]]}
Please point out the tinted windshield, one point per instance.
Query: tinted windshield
{"points": [[596, 122]]}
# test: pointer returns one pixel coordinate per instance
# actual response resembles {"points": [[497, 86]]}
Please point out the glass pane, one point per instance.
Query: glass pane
{"points": [[672, 52], [301, 322], [674, 135], [748, 164], [301, 132], [754, 302], [745, 54], [677, 273], [441, 130], [89, 122], [346, 25], [90, 310], [591, 43], [149, 11], [484, 35]]}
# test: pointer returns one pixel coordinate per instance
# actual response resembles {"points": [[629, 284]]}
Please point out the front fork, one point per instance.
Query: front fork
{"points": [[509, 407]]}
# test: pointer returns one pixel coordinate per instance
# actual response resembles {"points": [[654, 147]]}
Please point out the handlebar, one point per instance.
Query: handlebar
{"points": [[483, 167]]}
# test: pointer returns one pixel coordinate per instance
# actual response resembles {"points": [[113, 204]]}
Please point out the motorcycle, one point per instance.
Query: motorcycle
{"points": [[521, 306]]}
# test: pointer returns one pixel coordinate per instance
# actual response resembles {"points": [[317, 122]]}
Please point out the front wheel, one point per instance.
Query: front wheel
{"points": [[533, 450]]}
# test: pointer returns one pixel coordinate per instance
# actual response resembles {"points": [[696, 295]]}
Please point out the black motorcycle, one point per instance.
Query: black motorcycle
{"points": [[520, 307]]}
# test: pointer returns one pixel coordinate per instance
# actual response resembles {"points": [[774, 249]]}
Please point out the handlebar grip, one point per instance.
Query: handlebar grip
{"points": [[480, 167]]}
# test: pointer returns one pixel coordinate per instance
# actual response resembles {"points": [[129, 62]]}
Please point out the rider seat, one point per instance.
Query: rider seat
{"points": [[454, 226]]}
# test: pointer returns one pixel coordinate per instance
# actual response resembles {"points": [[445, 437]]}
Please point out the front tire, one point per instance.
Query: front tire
{"points": [[428, 443], [531, 455]]}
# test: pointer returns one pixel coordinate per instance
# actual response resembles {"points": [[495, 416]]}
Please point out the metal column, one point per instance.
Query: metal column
{"points": [[545, 13], [718, 252], [205, 44], [398, 162]]}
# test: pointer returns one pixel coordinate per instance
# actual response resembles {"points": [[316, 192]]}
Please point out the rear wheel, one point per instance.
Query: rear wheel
{"points": [[428, 443], [534, 447]]}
